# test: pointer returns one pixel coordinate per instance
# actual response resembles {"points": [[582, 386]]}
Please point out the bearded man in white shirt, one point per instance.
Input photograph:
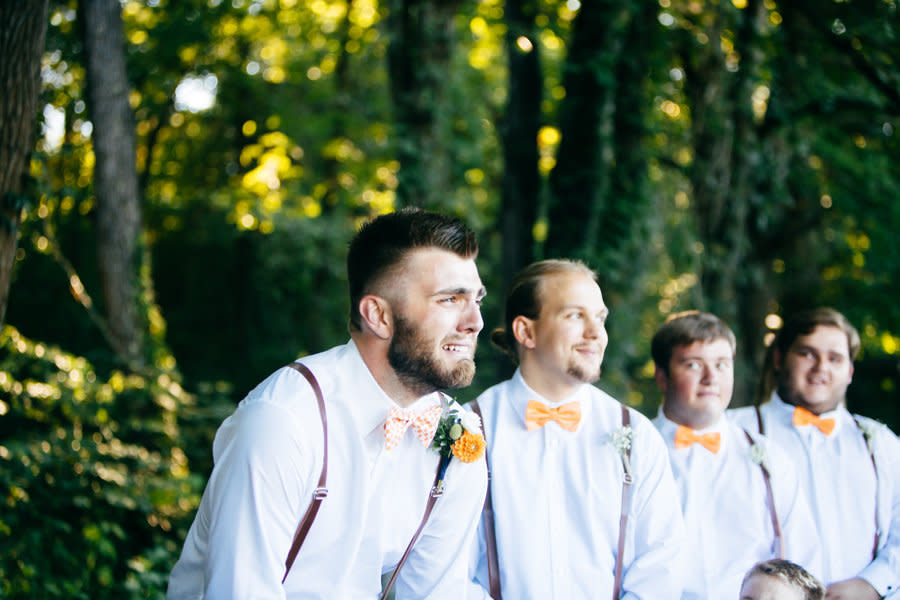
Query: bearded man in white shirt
{"points": [[849, 465], [739, 493], [415, 297], [572, 487]]}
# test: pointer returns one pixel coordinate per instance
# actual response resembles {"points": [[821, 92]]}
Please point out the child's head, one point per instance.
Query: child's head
{"points": [[779, 579]]}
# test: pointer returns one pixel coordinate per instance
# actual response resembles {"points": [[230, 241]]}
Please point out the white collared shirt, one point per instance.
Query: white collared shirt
{"points": [[268, 457], [837, 473], [557, 501], [727, 519]]}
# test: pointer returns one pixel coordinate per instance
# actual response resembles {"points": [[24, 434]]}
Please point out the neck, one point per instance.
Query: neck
{"points": [[373, 351]]}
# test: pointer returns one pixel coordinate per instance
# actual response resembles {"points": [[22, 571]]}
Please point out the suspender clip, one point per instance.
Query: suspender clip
{"points": [[320, 493]]}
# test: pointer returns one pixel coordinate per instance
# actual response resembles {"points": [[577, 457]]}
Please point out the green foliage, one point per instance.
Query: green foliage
{"points": [[95, 487]]}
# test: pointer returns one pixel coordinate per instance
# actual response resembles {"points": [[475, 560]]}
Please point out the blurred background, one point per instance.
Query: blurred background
{"points": [[179, 181]]}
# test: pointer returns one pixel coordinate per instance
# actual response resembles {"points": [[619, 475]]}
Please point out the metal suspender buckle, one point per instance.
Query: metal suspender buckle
{"points": [[320, 493]]}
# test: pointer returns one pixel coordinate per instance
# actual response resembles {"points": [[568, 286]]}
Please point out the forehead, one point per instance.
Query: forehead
{"points": [[563, 290], [824, 338], [717, 348], [435, 269]]}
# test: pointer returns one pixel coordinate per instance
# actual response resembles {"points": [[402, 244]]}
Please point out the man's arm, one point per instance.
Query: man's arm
{"points": [[655, 572], [883, 573], [262, 475]]}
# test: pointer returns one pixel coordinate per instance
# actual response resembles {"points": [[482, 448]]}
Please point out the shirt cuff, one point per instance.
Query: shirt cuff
{"points": [[878, 574]]}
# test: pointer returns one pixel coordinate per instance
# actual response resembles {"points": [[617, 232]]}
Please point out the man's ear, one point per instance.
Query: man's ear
{"points": [[377, 316], [523, 331], [662, 379], [777, 359]]}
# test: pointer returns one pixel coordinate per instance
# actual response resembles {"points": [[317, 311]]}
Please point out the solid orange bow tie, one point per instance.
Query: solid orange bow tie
{"points": [[684, 437], [424, 422], [804, 417], [539, 414]]}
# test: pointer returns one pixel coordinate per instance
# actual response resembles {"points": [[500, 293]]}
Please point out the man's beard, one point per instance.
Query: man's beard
{"points": [[412, 357], [582, 374]]}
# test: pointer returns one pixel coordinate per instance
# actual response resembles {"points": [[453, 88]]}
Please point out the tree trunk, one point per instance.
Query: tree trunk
{"points": [[519, 130], [23, 29], [118, 212], [421, 44], [576, 183]]}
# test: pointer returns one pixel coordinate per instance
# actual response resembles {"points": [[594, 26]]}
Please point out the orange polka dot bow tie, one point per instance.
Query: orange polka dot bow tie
{"points": [[424, 423], [685, 437], [804, 417], [538, 414]]}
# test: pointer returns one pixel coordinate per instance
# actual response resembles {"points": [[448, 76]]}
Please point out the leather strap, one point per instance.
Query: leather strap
{"points": [[437, 489], [490, 535], [321, 491], [770, 500], [627, 482], [875, 466]]}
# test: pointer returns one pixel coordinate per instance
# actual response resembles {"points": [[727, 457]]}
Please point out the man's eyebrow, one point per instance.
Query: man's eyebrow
{"points": [[462, 291]]}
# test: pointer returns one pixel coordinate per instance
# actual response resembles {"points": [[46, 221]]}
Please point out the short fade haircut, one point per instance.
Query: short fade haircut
{"points": [[685, 328], [525, 297], [790, 573], [382, 243], [803, 323]]}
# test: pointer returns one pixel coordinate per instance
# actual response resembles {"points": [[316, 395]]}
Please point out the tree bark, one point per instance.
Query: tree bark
{"points": [[519, 130], [23, 29], [421, 44], [118, 212]]}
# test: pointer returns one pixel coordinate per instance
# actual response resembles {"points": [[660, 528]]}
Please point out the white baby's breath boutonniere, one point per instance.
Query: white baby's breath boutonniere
{"points": [[869, 430], [621, 439], [758, 455]]}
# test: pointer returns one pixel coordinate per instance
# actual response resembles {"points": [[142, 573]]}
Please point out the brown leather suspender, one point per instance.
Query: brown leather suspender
{"points": [[321, 492], [493, 564], [770, 500], [627, 482], [874, 466], [762, 431]]}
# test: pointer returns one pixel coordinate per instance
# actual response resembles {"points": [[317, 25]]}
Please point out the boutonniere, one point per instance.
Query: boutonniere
{"points": [[758, 455], [869, 431], [459, 435], [622, 439]]}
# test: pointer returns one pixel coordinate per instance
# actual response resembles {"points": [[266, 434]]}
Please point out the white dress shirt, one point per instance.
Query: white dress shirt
{"points": [[557, 501], [268, 457], [726, 511], [838, 475]]}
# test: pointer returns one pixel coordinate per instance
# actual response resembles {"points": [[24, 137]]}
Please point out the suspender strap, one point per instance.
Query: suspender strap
{"points": [[490, 535], [770, 500], [875, 466], [623, 518], [436, 491], [321, 491]]}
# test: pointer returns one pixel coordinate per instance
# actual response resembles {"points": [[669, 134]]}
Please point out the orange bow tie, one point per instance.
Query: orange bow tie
{"points": [[685, 436], [804, 417], [424, 422], [539, 414]]}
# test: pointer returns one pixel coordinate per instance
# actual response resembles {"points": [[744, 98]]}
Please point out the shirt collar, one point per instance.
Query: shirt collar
{"points": [[371, 406], [667, 428], [785, 412], [521, 393]]}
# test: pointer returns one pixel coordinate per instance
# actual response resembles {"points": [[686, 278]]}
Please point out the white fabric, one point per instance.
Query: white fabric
{"points": [[557, 500], [268, 457], [727, 519], [837, 473]]}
